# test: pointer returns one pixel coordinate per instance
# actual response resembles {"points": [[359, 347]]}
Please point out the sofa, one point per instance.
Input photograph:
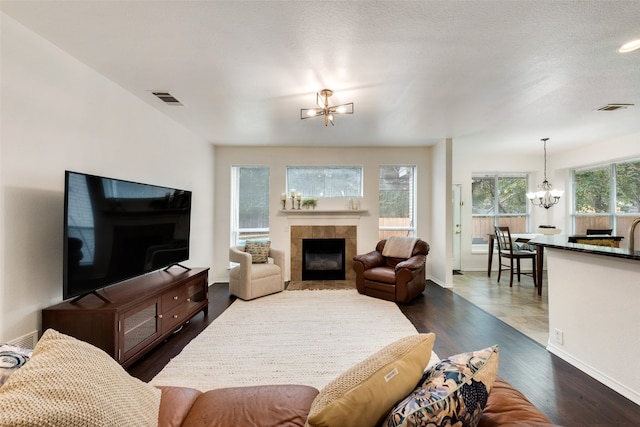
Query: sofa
{"points": [[65, 381], [288, 405]]}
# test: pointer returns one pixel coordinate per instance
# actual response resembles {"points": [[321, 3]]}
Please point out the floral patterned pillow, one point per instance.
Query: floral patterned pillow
{"points": [[454, 392], [12, 357], [259, 251]]}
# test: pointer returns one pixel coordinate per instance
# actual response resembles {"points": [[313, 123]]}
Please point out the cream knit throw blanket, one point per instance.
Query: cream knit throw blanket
{"points": [[399, 247]]}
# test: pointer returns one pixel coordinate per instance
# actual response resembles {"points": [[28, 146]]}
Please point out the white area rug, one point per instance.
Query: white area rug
{"points": [[293, 337]]}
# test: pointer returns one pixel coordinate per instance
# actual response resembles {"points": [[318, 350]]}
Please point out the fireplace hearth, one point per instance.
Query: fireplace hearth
{"points": [[323, 259]]}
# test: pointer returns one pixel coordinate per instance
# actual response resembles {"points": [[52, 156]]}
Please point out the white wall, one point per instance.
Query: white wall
{"points": [[279, 158], [58, 114], [442, 215], [593, 302]]}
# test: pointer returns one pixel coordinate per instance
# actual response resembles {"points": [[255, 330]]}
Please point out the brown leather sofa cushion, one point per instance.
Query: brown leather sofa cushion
{"points": [[381, 274], [288, 406], [258, 406], [175, 404], [507, 407]]}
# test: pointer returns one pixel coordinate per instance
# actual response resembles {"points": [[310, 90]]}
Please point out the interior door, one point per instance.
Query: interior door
{"points": [[457, 205]]}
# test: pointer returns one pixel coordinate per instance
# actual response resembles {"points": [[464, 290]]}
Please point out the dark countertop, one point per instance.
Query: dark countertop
{"points": [[561, 241]]}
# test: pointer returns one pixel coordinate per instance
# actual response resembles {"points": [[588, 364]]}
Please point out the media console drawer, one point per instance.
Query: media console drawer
{"points": [[141, 312], [174, 298]]}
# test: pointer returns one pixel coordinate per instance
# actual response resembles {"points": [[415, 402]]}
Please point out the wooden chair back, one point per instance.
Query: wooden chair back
{"points": [[503, 237]]}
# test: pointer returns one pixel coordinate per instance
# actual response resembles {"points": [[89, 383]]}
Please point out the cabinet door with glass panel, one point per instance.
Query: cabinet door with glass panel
{"points": [[197, 295], [137, 328]]}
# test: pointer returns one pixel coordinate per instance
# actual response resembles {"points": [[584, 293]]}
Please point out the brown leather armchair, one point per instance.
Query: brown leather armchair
{"points": [[392, 279]]}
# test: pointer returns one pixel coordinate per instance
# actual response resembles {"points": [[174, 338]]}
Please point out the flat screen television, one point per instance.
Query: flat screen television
{"points": [[115, 230]]}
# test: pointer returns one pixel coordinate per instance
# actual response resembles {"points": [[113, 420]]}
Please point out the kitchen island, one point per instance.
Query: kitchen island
{"points": [[594, 313]]}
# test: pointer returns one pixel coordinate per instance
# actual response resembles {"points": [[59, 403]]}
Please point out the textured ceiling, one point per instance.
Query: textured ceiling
{"points": [[492, 75]]}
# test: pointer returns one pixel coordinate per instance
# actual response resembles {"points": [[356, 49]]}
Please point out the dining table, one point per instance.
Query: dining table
{"points": [[521, 238]]}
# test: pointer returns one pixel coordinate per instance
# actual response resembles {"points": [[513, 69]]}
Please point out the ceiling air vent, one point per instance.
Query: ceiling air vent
{"points": [[167, 98], [614, 107]]}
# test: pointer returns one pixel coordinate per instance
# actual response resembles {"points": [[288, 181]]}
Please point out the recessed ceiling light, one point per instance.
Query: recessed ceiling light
{"points": [[630, 46]]}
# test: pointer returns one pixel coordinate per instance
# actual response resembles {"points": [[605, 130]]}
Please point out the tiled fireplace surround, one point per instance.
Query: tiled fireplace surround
{"points": [[300, 232]]}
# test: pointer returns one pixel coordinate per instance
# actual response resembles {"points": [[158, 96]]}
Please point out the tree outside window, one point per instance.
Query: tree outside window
{"points": [[250, 204], [592, 197], [397, 201], [607, 197], [325, 181], [498, 200]]}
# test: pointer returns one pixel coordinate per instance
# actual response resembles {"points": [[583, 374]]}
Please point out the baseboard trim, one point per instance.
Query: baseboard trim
{"points": [[439, 283], [595, 374]]}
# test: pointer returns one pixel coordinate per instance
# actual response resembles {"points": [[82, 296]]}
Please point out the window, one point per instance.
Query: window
{"points": [[397, 201], [250, 203], [606, 197], [498, 200], [325, 181], [592, 199]]}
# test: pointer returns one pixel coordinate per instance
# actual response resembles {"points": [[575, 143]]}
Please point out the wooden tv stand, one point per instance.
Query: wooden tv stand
{"points": [[141, 313]]}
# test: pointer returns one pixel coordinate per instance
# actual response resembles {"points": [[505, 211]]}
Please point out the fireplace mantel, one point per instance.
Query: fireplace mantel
{"points": [[346, 213]]}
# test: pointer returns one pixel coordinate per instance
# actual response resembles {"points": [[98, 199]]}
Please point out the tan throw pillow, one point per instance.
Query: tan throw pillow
{"points": [[363, 395], [68, 382], [259, 251]]}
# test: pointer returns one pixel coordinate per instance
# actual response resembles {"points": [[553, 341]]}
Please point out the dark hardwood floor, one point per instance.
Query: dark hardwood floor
{"points": [[565, 394]]}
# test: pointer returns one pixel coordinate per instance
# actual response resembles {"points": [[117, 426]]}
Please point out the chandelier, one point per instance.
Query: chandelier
{"points": [[322, 99], [546, 196]]}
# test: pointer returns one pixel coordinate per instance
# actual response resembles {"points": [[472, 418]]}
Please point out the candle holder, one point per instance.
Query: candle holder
{"points": [[284, 204], [293, 202], [299, 202]]}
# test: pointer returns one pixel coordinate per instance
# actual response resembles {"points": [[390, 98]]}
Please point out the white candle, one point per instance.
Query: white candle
{"points": [[284, 196], [299, 196], [293, 193]]}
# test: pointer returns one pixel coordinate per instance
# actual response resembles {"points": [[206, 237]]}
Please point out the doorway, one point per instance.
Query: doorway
{"points": [[456, 200]]}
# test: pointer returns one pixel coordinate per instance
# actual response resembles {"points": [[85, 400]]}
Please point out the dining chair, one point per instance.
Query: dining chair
{"points": [[514, 252], [602, 231]]}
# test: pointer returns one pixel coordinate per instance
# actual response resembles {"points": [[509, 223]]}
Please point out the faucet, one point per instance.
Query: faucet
{"points": [[632, 231]]}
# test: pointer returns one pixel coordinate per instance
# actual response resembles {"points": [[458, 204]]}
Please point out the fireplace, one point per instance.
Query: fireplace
{"points": [[323, 259], [304, 232]]}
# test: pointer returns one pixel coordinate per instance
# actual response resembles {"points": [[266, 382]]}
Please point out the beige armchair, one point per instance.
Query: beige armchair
{"points": [[248, 281]]}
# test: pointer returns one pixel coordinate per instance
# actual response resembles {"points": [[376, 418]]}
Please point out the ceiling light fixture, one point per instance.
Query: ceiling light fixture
{"points": [[546, 196], [630, 46], [322, 99]]}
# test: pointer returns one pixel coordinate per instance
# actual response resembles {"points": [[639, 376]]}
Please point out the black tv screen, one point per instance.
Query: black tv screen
{"points": [[116, 230]]}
